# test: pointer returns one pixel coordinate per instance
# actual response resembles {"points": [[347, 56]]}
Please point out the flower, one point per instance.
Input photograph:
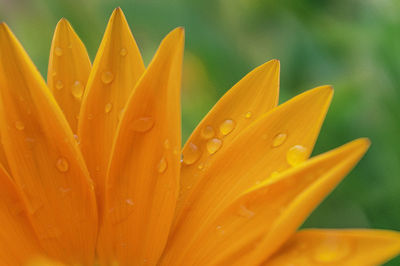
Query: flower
{"points": [[92, 173]]}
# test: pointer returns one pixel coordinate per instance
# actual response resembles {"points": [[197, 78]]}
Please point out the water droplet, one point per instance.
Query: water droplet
{"points": [[279, 140], [77, 89], [162, 165], [248, 115], [123, 52], [274, 174], [331, 250], [220, 230], [59, 84], [201, 166], [167, 145], [191, 154], [143, 124], [107, 108], [58, 51], [245, 212], [296, 155], [213, 145], [64, 191], [90, 116], [107, 77], [129, 202], [19, 125], [62, 165], [227, 126], [207, 132]]}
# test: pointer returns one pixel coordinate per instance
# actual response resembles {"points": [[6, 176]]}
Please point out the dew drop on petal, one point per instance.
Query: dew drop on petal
{"points": [[58, 51], [62, 165], [162, 165], [123, 52], [143, 124], [296, 155], [77, 89], [129, 202], [331, 251], [245, 212], [167, 145], [19, 125], [248, 115], [213, 145], [279, 140], [191, 154], [227, 126], [59, 85], [274, 174], [207, 132], [107, 77], [107, 108]]}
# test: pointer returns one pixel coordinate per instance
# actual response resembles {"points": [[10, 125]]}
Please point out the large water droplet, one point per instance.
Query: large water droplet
{"points": [[107, 108], [245, 212], [77, 89], [107, 77], [213, 145], [331, 251], [162, 165], [296, 155], [143, 124], [123, 52], [19, 125], [58, 51], [279, 140], [62, 164], [207, 132], [191, 154], [227, 126], [59, 84]]}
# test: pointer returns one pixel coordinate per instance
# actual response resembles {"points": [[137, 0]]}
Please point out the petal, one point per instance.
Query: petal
{"points": [[69, 68], [18, 242], [44, 158], [338, 247], [252, 156], [142, 184], [263, 217], [254, 95], [116, 69]]}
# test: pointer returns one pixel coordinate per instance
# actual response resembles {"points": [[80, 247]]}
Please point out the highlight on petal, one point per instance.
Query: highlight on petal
{"points": [[69, 68], [254, 95], [44, 158], [288, 131], [259, 220], [143, 178], [338, 247], [18, 242], [116, 69]]}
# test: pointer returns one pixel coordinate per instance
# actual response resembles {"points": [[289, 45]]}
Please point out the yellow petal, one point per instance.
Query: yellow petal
{"points": [[18, 242], [69, 68], [44, 158], [43, 261], [116, 69], [257, 222], [142, 184], [254, 95], [252, 156], [338, 247]]}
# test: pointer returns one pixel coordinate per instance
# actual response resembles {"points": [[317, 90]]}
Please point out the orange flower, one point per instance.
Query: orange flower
{"points": [[92, 174]]}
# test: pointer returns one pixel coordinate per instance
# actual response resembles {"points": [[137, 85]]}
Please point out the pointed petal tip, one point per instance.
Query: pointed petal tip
{"points": [[117, 12]]}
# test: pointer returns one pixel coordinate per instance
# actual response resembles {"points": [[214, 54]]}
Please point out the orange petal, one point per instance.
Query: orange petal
{"points": [[18, 242], [116, 69], [254, 95], [144, 170], [257, 222], [338, 247], [252, 156], [44, 158], [69, 68]]}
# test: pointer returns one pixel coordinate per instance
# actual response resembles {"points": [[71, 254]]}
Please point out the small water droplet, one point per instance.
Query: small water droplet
{"points": [[274, 174], [245, 212], [107, 77], [123, 52], [279, 140], [207, 132], [162, 165], [90, 116], [77, 89], [227, 126], [54, 73], [296, 155], [331, 250], [59, 85], [143, 124], [213, 145], [107, 108], [220, 230], [19, 125], [191, 154], [62, 165], [58, 51], [167, 145], [248, 115], [64, 190], [129, 202], [201, 166]]}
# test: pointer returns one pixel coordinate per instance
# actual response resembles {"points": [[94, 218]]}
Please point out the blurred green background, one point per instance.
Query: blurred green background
{"points": [[353, 45]]}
